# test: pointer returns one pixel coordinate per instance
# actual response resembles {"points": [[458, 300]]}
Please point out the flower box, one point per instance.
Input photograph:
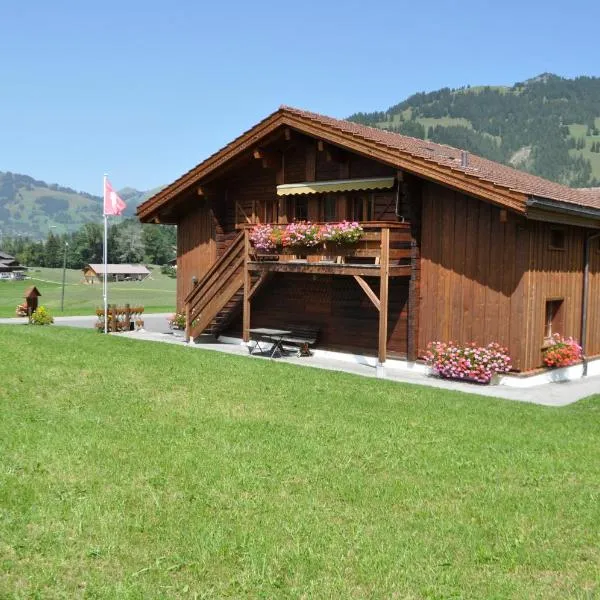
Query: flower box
{"points": [[467, 362], [304, 237]]}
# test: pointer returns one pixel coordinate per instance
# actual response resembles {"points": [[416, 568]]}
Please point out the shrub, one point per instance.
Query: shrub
{"points": [[471, 362], [562, 352], [169, 270], [42, 317]]}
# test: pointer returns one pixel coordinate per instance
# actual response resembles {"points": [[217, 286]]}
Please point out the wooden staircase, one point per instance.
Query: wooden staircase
{"points": [[217, 298]]}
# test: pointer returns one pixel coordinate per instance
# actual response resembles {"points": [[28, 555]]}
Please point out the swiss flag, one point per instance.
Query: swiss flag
{"points": [[113, 205]]}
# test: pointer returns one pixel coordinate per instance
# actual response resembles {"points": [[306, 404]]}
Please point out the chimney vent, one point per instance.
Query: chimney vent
{"points": [[464, 159]]}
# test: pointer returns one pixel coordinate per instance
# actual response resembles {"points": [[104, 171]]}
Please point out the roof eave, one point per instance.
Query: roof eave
{"points": [[148, 211], [559, 207]]}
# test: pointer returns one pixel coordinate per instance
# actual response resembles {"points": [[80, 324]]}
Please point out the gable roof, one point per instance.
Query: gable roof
{"points": [[32, 291], [480, 177], [114, 269]]}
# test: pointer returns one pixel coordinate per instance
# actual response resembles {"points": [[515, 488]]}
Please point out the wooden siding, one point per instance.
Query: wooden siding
{"points": [[346, 317], [593, 346], [486, 280], [249, 191], [196, 248], [251, 188], [364, 167], [553, 274], [472, 272]]}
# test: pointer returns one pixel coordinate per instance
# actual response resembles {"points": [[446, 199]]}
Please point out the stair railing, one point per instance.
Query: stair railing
{"points": [[215, 289]]}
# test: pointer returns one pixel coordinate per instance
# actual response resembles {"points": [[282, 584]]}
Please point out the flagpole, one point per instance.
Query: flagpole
{"points": [[105, 257]]}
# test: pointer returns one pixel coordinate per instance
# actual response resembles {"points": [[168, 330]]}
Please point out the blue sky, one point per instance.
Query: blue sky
{"points": [[144, 90]]}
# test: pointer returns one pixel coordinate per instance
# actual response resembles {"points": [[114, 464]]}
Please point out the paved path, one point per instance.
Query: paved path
{"points": [[548, 394], [153, 322]]}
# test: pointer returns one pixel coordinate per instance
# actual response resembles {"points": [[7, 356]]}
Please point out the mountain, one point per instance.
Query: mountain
{"points": [[30, 207], [547, 125]]}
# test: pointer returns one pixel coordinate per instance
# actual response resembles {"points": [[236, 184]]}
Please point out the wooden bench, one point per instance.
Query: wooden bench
{"points": [[301, 338]]}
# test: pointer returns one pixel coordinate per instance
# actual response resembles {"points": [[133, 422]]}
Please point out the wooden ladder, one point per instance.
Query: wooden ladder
{"points": [[217, 297]]}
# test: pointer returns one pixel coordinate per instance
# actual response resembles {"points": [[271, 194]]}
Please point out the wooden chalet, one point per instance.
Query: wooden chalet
{"points": [[456, 247], [8, 263], [114, 272]]}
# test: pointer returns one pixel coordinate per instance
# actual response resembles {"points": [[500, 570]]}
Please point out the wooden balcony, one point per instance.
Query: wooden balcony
{"points": [[384, 249]]}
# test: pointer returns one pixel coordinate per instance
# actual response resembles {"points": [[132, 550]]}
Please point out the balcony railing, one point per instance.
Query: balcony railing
{"points": [[385, 247]]}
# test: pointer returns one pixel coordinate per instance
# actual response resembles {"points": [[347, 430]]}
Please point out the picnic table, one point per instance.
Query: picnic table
{"points": [[271, 336]]}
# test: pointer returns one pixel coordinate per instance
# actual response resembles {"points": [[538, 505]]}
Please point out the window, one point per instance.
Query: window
{"points": [[554, 317], [361, 208], [329, 208], [557, 239], [298, 208]]}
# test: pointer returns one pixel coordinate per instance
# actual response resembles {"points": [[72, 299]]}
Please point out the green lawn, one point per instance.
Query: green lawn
{"points": [[140, 470], [156, 294]]}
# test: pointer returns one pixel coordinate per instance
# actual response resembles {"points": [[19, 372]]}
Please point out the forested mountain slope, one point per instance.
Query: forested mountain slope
{"points": [[548, 125]]}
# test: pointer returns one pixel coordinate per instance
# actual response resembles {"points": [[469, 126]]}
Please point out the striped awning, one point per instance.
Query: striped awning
{"points": [[338, 185]]}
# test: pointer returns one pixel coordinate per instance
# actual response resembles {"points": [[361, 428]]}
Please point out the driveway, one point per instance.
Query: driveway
{"points": [[154, 322]]}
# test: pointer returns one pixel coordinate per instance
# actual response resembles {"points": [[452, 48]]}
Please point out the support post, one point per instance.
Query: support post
{"points": [[383, 295], [247, 286], [414, 286], [188, 325]]}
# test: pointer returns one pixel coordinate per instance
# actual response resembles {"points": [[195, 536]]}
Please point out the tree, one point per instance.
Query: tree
{"points": [[129, 244], [52, 252], [87, 245], [159, 241]]}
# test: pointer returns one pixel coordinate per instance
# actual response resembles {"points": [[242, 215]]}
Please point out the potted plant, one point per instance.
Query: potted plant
{"points": [[177, 323], [561, 352]]}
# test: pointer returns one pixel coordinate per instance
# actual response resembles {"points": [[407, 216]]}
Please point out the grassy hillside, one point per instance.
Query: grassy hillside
{"points": [[30, 207], [137, 470], [547, 125]]}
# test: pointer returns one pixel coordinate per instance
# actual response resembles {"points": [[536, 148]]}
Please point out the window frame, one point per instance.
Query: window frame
{"points": [[555, 247], [553, 316]]}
